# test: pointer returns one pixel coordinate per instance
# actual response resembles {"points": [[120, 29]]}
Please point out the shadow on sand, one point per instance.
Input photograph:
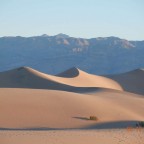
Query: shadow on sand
{"points": [[113, 125], [97, 126]]}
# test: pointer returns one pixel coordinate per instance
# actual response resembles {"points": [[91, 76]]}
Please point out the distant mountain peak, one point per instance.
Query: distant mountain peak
{"points": [[51, 54], [61, 35], [113, 37], [45, 35]]}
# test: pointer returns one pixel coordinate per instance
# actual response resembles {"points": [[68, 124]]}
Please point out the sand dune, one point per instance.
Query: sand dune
{"points": [[39, 108], [50, 109], [131, 81], [26, 77], [31, 99]]}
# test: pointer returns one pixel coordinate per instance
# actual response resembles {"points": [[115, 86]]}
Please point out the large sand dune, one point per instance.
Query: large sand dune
{"points": [[131, 81], [39, 108], [26, 77], [30, 108]]}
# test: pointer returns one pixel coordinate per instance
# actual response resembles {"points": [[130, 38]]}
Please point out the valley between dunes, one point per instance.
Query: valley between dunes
{"points": [[34, 104]]}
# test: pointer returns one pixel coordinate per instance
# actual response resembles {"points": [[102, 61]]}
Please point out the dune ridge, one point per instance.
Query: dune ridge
{"points": [[26, 77]]}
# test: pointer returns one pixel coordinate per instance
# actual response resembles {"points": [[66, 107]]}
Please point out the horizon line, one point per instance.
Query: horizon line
{"points": [[68, 36]]}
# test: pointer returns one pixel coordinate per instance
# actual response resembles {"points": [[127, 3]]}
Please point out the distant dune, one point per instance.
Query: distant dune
{"points": [[131, 81], [72, 80]]}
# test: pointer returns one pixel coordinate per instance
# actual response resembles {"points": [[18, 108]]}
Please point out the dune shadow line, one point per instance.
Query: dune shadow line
{"points": [[96, 126]]}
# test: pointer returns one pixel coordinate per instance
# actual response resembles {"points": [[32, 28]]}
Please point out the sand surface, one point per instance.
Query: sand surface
{"points": [[31, 108], [37, 108], [120, 136]]}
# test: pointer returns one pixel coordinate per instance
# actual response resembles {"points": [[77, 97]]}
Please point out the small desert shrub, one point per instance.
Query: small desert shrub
{"points": [[93, 118], [141, 123]]}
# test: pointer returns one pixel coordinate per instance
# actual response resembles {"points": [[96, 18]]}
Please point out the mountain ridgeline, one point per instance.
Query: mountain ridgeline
{"points": [[53, 54]]}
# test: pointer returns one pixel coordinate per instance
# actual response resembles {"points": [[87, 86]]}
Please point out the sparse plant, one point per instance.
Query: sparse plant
{"points": [[93, 118], [141, 123]]}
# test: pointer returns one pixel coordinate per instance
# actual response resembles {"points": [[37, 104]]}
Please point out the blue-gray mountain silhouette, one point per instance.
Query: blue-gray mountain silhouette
{"points": [[53, 54]]}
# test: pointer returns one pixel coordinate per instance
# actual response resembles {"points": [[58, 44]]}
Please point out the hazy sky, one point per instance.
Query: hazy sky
{"points": [[78, 18]]}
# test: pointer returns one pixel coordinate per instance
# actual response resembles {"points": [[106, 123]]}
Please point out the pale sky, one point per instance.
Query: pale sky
{"points": [[77, 18]]}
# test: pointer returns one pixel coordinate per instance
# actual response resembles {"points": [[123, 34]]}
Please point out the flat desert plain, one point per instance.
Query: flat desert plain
{"points": [[37, 108]]}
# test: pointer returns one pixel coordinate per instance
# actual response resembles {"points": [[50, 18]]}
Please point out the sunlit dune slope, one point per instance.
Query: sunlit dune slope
{"points": [[31, 108], [26, 77]]}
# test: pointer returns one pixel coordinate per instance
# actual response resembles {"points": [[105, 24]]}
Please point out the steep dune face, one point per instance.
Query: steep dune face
{"points": [[131, 81], [39, 109], [72, 79]]}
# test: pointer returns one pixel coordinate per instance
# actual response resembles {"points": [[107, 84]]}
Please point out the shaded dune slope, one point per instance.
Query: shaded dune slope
{"points": [[131, 81], [72, 80]]}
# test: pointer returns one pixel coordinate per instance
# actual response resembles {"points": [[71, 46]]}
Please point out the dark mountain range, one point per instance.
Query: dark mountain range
{"points": [[53, 54]]}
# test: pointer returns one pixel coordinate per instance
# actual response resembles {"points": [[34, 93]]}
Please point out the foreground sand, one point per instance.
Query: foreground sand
{"points": [[119, 136], [51, 109]]}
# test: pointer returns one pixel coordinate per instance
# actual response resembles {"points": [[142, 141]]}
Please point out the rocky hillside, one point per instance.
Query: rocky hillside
{"points": [[53, 54]]}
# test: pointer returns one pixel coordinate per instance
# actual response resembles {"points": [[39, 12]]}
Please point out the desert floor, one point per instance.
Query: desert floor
{"points": [[112, 136]]}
